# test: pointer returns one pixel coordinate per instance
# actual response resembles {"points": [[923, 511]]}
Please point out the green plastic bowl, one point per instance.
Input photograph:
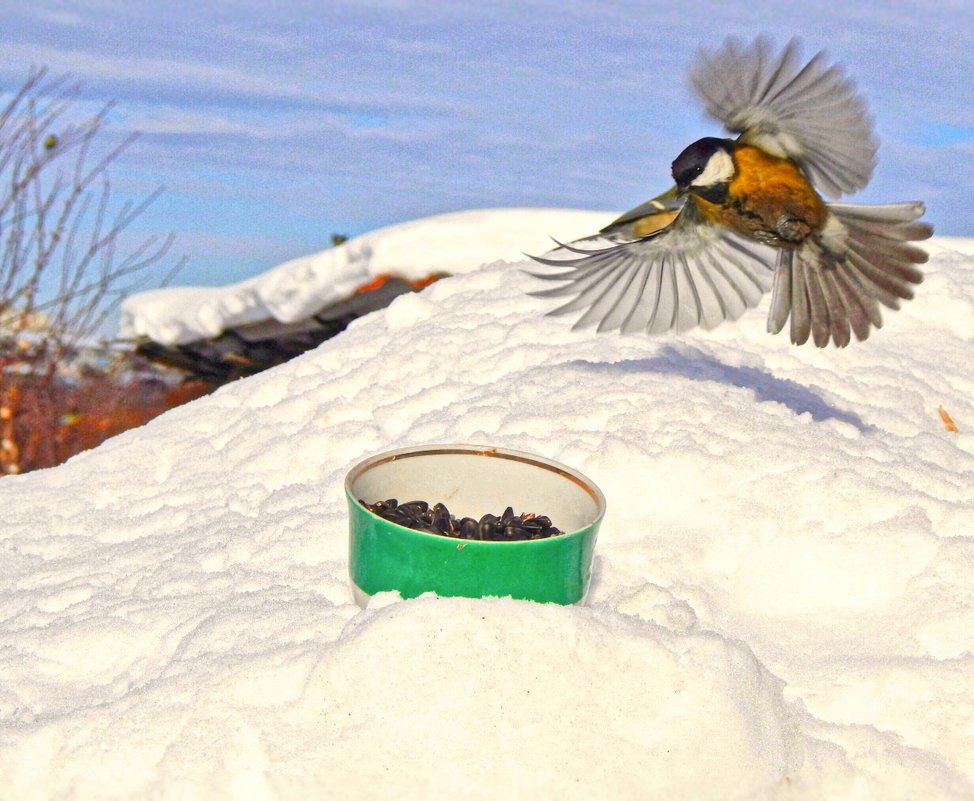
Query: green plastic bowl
{"points": [[472, 480]]}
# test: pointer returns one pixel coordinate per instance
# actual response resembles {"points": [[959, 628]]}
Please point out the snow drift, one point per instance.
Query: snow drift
{"points": [[453, 243], [782, 606]]}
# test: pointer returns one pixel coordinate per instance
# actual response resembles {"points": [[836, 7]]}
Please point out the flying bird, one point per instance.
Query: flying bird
{"points": [[747, 215]]}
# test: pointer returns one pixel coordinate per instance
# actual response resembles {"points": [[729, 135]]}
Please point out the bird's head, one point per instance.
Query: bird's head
{"points": [[705, 168]]}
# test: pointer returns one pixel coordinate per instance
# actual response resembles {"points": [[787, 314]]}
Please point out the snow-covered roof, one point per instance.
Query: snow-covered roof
{"points": [[782, 604], [452, 243]]}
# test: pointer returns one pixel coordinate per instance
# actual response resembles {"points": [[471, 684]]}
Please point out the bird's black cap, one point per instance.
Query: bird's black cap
{"points": [[691, 162]]}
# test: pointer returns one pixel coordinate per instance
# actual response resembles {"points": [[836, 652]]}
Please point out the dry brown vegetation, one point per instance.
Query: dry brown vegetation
{"points": [[64, 268], [44, 422]]}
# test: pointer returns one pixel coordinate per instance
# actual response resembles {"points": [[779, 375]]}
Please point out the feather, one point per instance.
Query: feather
{"points": [[836, 281], [691, 273], [781, 292], [812, 115]]}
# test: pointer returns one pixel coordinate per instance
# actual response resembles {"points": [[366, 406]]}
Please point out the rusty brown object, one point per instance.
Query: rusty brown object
{"points": [[949, 424]]}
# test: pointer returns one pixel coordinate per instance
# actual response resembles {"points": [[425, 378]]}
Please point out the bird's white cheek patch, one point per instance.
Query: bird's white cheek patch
{"points": [[719, 170]]}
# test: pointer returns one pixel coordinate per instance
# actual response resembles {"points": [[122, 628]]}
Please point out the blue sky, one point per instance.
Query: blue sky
{"points": [[274, 124]]}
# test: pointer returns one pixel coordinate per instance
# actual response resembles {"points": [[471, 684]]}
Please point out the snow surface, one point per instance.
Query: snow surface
{"points": [[453, 243], [782, 605]]}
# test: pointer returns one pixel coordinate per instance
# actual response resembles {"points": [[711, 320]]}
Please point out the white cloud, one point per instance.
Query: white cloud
{"points": [[146, 71]]}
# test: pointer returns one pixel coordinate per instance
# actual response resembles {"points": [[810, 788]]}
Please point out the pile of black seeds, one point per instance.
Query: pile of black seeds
{"points": [[436, 519]]}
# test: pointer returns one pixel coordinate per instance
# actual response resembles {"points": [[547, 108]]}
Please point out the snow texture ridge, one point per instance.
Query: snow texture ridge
{"points": [[782, 605]]}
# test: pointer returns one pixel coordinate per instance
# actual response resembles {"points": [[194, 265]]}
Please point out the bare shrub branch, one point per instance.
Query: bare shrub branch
{"points": [[64, 268]]}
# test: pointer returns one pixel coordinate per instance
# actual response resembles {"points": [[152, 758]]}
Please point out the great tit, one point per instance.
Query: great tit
{"points": [[747, 215]]}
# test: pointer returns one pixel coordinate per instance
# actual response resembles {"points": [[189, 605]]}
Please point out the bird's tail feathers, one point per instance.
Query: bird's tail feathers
{"points": [[832, 286]]}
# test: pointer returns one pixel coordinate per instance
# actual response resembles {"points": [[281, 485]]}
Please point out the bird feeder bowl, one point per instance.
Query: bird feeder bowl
{"points": [[472, 480]]}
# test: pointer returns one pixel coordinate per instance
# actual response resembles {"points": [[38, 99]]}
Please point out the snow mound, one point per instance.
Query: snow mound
{"points": [[782, 604], [452, 243]]}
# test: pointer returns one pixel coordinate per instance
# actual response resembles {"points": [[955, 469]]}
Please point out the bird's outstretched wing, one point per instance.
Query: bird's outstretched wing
{"points": [[811, 114], [836, 282], [688, 274]]}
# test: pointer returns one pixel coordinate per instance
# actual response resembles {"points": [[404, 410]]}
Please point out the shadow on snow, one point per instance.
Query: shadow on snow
{"points": [[698, 366]]}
